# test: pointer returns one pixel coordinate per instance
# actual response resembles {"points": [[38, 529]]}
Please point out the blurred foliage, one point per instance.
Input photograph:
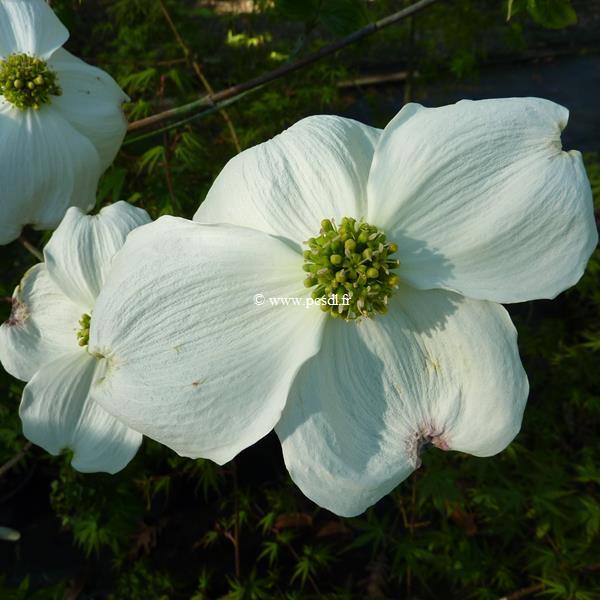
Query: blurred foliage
{"points": [[553, 14], [168, 527]]}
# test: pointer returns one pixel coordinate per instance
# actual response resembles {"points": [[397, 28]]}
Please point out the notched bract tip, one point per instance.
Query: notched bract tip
{"points": [[18, 314], [423, 438]]}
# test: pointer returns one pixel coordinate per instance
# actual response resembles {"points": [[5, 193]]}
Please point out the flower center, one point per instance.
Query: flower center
{"points": [[27, 81], [83, 334], [350, 268]]}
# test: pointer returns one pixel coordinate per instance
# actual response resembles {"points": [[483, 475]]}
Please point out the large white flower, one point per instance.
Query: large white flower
{"points": [[479, 204], [61, 121], [45, 341]]}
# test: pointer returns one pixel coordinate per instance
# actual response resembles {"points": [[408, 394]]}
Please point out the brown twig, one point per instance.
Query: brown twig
{"points": [[538, 587], [212, 99], [194, 117], [408, 86], [9, 464], [31, 248], [524, 592], [411, 527], [203, 80], [166, 164], [168, 175], [310, 578], [377, 79], [236, 523]]}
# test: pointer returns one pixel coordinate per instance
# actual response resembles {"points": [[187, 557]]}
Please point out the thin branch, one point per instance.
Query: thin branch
{"points": [[524, 592], [31, 248], [232, 131], [408, 86], [199, 73], [166, 163], [194, 117], [212, 99], [411, 528], [310, 578], [9, 464], [235, 538], [538, 587], [236, 523], [378, 79], [168, 176]]}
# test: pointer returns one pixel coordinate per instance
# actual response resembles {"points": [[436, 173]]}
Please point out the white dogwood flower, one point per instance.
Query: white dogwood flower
{"points": [[426, 226], [45, 341], [61, 122]]}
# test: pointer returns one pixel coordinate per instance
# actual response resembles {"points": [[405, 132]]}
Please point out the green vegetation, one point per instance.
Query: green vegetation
{"points": [[168, 527]]}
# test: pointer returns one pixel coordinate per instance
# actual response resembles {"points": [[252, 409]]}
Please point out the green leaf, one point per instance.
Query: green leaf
{"points": [[514, 7], [553, 14], [111, 184], [140, 81], [270, 551], [150, 158]]}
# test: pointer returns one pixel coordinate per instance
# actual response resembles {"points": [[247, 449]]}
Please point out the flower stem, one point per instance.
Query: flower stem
{"points": [[9, 464], [194, 117], [31, 248]]}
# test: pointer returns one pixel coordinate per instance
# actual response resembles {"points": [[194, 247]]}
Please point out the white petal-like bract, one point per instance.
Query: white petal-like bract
{"points": [[45, 339], [81, 250], [438, 368], [42, 326], [481, 199], [52, 157], [46, 165], [316, 169], [200, 337], [57, 414], [91, 102], [30, 26], [193, 358]]}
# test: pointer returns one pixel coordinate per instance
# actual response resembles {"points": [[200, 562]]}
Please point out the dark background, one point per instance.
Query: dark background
{"points": [[522, 524]]}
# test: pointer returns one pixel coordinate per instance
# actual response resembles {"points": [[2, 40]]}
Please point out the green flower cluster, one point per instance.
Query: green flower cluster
{"points": [[352, 263], [27, 81], [83, 335]]}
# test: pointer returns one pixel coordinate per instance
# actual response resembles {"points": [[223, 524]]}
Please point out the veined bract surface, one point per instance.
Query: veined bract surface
{"points": [[61, 121], [427, 225], [45, 341]]}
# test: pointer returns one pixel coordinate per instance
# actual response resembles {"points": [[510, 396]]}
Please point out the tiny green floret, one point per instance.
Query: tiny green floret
{"points": [[352, 264], [83, 335], [27, 82]]}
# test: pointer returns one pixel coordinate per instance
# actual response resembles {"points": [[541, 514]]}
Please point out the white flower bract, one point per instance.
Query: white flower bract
{"points": [[52, 157], [40, 344], [484, 207]]}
